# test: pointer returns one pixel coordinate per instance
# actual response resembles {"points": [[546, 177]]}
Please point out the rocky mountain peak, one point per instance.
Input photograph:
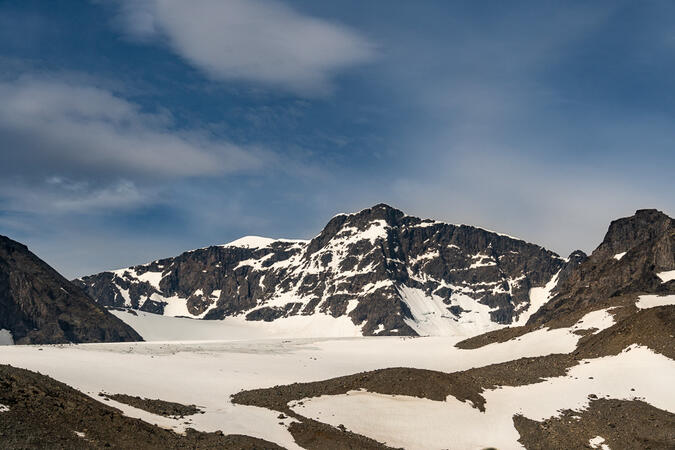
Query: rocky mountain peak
{"points": [[379, 216], [381, 211], [578, 256], [629, 232], [636, 250]]}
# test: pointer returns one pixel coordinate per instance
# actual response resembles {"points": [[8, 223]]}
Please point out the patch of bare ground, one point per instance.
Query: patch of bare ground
{"points": [[155, 406], [313, 435], [492, 337], [623, 424], [652, 327], [44, 413]]}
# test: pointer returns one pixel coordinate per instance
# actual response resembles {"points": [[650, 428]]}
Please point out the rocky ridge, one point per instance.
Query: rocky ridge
{"points": [[39, 306], [390, 273]]}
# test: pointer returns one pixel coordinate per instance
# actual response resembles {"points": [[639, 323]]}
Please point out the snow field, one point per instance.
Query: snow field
{"points": [[618, 256], [415, 423], [206, 373], [205, 362], [153, 327]]}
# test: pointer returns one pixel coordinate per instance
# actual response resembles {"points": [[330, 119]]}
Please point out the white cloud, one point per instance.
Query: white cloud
{"points": [[58, 195], [54, 125], [76, 147], [262, 41]]}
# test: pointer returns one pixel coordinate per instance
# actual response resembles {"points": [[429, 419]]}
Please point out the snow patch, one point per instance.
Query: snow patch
{"points": [[6, 337], [3, 408], [376, 230], [482, 260], [652, 301], [600, 319], [598, 442], [351, 306], [666, 276], [259, 242], [618, 256], [431, 317], [150, 277], [428, 223], [538, 298]]}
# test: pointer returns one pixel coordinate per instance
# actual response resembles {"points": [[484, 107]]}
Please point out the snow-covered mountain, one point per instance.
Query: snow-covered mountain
{"points": [[389, 273]]}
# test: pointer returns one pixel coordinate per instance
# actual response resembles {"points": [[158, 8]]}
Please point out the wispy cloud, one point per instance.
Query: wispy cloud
{"points": [[58, 195], [260, 41], [59, 126], [69, 147]]}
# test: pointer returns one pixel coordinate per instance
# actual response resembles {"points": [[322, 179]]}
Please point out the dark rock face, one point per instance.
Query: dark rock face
{"points": [[574, 260], [626, 264], [388, 272], [39, 306]]}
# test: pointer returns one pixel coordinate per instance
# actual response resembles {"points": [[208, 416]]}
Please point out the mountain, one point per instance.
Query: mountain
{"points": [[39, 306], [636, 257], [389, 273]]}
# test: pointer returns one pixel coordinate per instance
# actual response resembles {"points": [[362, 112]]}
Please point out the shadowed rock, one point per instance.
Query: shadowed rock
{"points": [[39, 306]]}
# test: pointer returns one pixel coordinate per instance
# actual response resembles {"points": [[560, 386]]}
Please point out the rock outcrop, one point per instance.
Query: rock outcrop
{"points": [[39, 306]]}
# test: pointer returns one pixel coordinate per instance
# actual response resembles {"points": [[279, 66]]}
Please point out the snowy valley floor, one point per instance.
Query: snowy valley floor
{"points": [[208, 372]]}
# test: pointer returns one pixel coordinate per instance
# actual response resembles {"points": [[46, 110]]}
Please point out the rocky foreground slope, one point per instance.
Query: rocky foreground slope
{"points": [[637, 256], [39, 306], [39, 412], [390, 273]]}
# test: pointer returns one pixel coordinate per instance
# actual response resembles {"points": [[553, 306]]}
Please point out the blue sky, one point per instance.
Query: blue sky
{"points": [[133, 130]]}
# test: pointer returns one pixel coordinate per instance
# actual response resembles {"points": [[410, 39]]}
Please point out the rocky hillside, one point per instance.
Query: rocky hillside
{"points": [[39, 306], [388, 272], [636, 257]]}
